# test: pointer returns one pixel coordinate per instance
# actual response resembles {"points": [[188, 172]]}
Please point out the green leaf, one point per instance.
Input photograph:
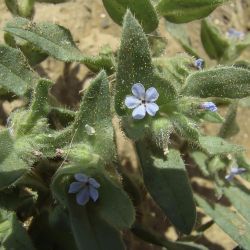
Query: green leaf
{"points": [[95, 111], [175, 69], [52, 1], [159, 240], [39, 107], [12, 166], [167, 182], [201, 160], [91, 232], [211, 116], [12, 234], [113, 205], [181, 11], [32, 54], [227, 82], [215, 145], [214, 43], [230, 127], [239, 197], [142, 9], [178, 31], [55, 41], [185, 127], [230, 222], [134, 65], [15, 77]]}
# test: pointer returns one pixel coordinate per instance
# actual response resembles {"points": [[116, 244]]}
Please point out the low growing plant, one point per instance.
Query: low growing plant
{"points": [[61, 183]]}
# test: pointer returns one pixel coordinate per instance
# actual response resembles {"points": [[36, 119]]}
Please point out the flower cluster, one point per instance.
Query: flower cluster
{"points": [[142, 101], [85, 188]]}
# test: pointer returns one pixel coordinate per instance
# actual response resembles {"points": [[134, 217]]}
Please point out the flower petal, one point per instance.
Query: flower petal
{"points": [[138, 91], [132, 102], [94, 183], [83, 196], [93, 193], [75, 187], [139, 112], [151, 95], [81, 177], [229, 177], [152, 108]]}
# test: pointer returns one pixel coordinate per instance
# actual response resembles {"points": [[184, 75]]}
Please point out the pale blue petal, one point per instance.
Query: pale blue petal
{"points": [[132, 102], [151, 95], [138, 91], [236, 170], [75, 187], [94, 183], [81, 177], [83, 196], [139, 112], [209, 106], [229, 177], [152, 108], [93, 193]]}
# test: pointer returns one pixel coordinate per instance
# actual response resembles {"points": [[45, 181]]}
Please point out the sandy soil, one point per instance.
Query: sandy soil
{"points": [[91, 29]]}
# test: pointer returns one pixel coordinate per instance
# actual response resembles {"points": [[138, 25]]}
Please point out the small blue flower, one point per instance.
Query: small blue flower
{"points": [[84, 188], [235, 34], [233, 172], [209, 106], [142, 101], [199, 63]]}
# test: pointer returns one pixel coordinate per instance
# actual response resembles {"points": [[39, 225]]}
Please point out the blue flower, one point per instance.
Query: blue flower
{"points": [[209, 106], [199, 63], [233, 172], [235, 34], [85, 187], [142, 101]]}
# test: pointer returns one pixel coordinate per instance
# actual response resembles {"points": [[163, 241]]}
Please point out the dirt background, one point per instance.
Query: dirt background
{"points": [[91, 29]]}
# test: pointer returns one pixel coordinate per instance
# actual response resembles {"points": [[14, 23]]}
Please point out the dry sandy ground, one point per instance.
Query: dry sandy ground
{"points": [[91, 29]]}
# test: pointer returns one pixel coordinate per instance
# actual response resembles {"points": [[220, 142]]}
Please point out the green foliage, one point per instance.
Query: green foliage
{"points": [[142, 9], [230, 222], [226, 82], [55, 41], [12, 234], [15, 78], [23, 8], [179, 11], [167, 182], [215, 145], [134, 57]]}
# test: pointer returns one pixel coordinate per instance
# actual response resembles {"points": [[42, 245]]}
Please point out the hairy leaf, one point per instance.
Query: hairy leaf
{"points": [[142, 9], [181, 11], [15, 77], [168, 184], [134, 65], [227, 82]]}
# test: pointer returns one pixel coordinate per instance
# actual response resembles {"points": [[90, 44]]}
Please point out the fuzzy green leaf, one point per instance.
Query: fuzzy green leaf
{"points": [[175, 69], [215, 145], [230, 222], [181, 11], [213, 41], [95, 111], [142, 9], [230, 126], [227, 82], [91, 232], [55, 41], [168, 184], [134, 65], [113, 205], [12, 234], [15, 77]]}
